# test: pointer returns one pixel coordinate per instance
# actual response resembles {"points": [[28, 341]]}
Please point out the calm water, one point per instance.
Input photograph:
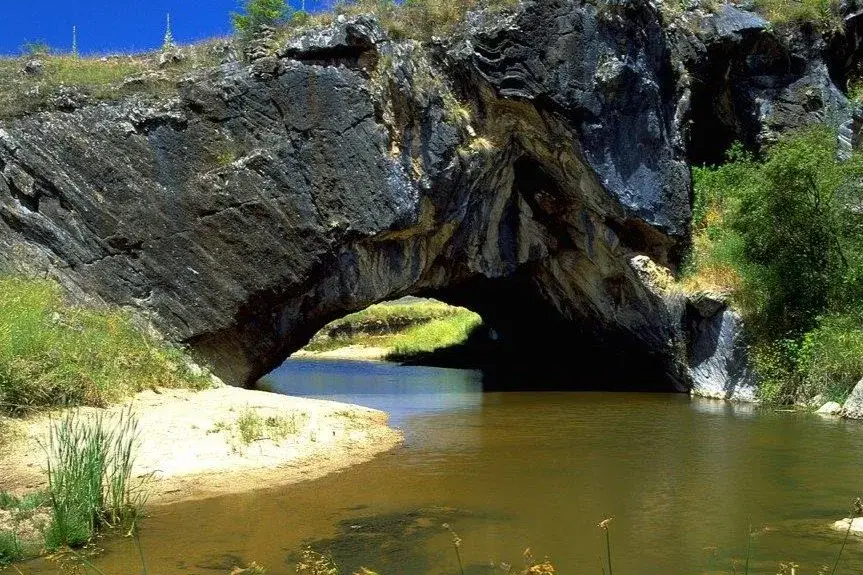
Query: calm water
{"points": [[682, 478]]}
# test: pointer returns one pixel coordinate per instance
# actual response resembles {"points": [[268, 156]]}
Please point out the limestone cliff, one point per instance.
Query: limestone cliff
{"points": [[516, 168]]}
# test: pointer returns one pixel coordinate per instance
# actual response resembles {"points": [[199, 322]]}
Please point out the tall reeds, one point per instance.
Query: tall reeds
{"points": [[90, 481]]}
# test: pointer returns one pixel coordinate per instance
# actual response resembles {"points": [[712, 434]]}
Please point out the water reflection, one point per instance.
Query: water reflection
{"points": [[401, 392]]}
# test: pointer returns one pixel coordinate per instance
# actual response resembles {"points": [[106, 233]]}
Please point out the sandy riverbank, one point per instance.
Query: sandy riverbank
{"points": [[189, 441], [349, 352]]}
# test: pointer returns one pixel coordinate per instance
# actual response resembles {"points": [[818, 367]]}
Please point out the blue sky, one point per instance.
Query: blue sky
{"points": [[111, 25]]}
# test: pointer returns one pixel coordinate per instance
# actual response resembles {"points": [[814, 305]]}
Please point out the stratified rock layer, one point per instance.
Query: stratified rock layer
{"points": [[517, 170]]}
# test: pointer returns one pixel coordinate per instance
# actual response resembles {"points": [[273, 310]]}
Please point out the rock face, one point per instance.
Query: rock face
{"points": [[718, 359], [749, 82], [853, 406], [517, 170]]}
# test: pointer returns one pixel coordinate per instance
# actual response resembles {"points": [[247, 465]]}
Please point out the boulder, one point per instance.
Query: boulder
{"points": [[718, 357], [853, 406], [856, 525], [830, 408]]}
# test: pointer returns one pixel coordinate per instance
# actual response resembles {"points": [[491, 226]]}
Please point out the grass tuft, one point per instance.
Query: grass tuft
{"points": [[824, 15], [90, 481], [250, 426]]}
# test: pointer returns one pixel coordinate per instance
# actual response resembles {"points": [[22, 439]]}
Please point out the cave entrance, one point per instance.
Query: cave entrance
{"points": [[499, 328]]}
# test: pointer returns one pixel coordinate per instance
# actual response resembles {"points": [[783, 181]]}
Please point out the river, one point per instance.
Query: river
{"points": [[683, 479]]}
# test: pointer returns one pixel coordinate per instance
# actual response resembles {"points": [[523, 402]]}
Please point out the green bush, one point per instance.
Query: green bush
{"points": [[824, 15], [830, 359], [257, 13], [784, 236], [788, 226], [10, 548], [52, 354]]}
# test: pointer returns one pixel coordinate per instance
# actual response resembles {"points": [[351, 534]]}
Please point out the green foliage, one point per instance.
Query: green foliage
{"points": [[824, 15], [52, 354], [10, 548], [783, 235], [830, 357], [90, 480], [37, 48], [435, 335], [23, 504], [257, 13], [788, 226], [300, 18]]}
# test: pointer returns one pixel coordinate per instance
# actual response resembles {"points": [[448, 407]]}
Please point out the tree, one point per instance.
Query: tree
{"points": [[257, 13], [168, 42]]}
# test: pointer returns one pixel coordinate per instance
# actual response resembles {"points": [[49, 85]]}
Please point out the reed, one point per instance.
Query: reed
{"points": [[90, 483]]}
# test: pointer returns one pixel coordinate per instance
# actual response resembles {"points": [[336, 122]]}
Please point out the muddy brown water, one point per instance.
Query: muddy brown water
{"points": [[683, 478]]}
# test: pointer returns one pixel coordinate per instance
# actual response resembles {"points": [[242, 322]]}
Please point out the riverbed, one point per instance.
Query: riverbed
{"points": [[684, 479]]}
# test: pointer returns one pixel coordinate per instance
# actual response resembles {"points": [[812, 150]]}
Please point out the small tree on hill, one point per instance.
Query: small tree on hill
{"points": [[168, 42], [257, 13]]}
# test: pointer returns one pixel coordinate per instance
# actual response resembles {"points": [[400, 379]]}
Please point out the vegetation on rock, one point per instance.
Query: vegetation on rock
{"points": [[783, 236], [257, 13], [406, 329], [825, 15]]}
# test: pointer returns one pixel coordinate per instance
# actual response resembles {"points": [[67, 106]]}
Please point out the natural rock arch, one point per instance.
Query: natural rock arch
{"points": [[526, 169]]}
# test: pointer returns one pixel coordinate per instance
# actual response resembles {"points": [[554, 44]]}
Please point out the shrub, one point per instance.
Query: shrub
{"points": [[37, 48], [783, 236], [52, 354], [788, 225], [830, 358], [10, 548], [257, 13], [824, 15]]}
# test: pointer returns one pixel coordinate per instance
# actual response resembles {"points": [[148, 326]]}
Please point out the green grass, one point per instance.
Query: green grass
{"points": [[391, 325], [53, 354], [89, 460], [824, 15], [250, 426], [90, 481], [435, 335], [95, 78]]}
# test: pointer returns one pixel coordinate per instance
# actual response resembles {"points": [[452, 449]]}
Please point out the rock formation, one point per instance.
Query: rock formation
{"points": [[516, 168]]}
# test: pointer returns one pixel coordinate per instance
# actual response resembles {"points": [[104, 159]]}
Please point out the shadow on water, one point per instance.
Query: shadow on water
{"points": [[547, 363], [401, 542]]}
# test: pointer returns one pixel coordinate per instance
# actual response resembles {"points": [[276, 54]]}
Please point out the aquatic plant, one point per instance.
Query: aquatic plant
{"points": [[603, 525], [456, 544], [90, 483]]}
